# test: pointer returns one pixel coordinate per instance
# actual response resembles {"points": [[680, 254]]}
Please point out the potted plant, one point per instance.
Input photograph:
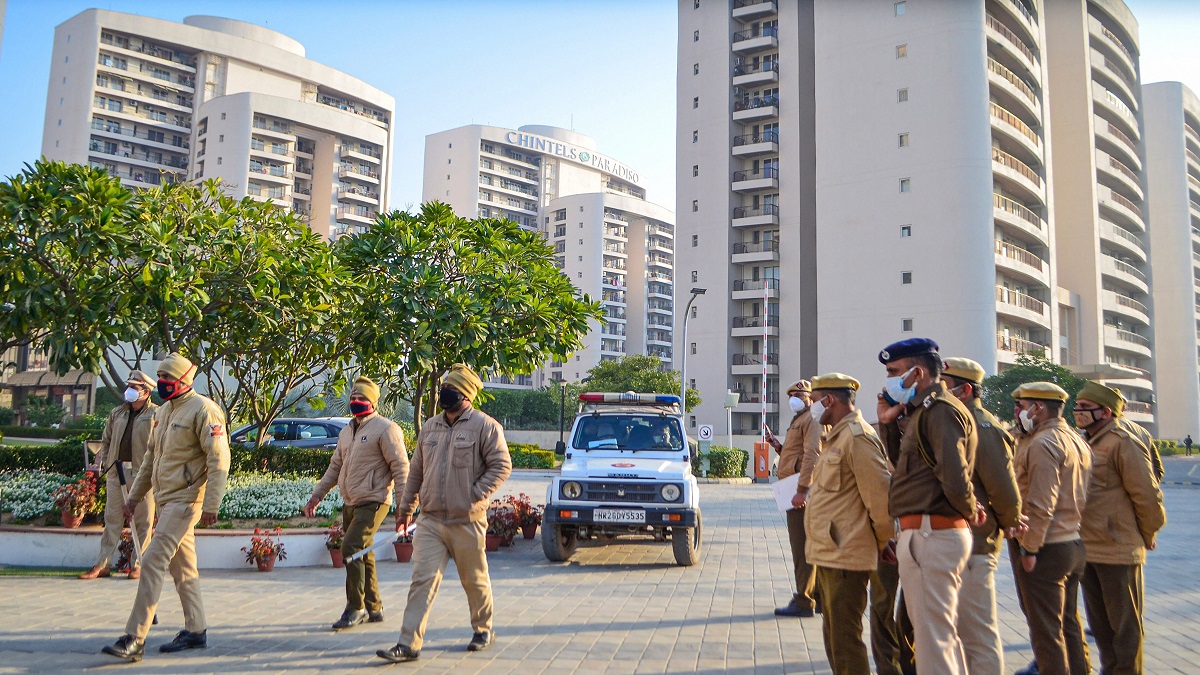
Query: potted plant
{"points": [[74, 500], [404, 547], [265, 550], [502, 525], [333, 541], [529, 516]]}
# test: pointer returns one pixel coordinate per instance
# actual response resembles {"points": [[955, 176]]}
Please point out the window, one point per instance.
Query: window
{"points": [[906, 325], [694, 312], [903, 140], [695, 135], [692, 421], [696, 36], [695, 170], [693, 348], [695, 101], [695, 205], [695, 240], [221, 138], [696, 5], [905, 231], [900, 8], [902, 95], [901, 51], [695, 69], [222, 115], [905, 184], [906, 277], [218, 161], [695, 276]]}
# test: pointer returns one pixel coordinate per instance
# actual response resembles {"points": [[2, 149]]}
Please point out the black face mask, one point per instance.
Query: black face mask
{"points": [[449, 400], [360, 408]]}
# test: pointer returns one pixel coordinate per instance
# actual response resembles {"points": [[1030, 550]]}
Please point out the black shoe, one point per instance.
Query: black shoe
{"points": [[186, 640], [375, 617], [817, 606], [1031, 669], [350, 618], [1088, 632], [481, 641], [793, 609], [398, 654], [126, 647]]}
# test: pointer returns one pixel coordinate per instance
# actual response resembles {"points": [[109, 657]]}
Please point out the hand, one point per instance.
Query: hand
{"points": [[885, 412], [888, 554], [310, 508], [800, 500], [1151, 546], [208, 518], [1020, 528], [128, 510], [402, 524], [980, 514], [1028, 562], [774, 441]]}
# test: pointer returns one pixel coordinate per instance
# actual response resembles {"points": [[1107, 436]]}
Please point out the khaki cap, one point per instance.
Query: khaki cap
{"points": [[1101, 395], [963, 369], [835, 381], [462, 378], [364, 386], [1045, 391], [139, 378], [799, 387], [179, 367]]}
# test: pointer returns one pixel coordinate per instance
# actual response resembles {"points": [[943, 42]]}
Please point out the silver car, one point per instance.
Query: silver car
{"points": [[297, 432]]}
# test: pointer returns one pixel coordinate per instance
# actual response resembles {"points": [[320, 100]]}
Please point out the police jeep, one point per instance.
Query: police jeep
{"points": [[626, 472]]}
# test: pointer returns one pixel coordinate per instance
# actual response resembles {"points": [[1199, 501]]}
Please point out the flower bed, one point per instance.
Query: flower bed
{"points": [[30, 494], [271, 496]]}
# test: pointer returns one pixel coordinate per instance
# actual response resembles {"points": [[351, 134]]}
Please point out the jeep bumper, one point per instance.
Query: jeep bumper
{"points": [[559, 514]]}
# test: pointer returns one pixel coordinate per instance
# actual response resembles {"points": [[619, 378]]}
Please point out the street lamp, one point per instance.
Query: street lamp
{"points": [[687, 312]]}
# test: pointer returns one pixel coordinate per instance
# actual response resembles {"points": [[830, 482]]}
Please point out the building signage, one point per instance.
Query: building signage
{"points": [[549, 146]]}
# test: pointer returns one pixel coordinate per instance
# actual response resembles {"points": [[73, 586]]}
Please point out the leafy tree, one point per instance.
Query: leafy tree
{"points": [[643, 374], [436, 289], [997, 389], [43, 412]]}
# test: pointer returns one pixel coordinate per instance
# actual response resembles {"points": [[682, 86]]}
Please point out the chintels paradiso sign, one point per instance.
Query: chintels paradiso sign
{"points": [[550, 146]]}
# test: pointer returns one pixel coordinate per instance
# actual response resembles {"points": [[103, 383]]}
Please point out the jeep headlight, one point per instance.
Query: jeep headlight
{"points": [[572, 490], [671, 492]]}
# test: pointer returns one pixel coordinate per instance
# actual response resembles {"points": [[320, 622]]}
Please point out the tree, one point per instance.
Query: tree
{"points": [[436, 289], [643, 374], [43, 412], [997, 389]]}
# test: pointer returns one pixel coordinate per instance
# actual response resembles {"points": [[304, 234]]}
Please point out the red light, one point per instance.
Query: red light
{"points": [[592, 397]]}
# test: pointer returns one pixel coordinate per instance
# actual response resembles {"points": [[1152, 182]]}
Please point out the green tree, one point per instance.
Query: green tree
{"points": [[436, 289], [43, 412], [997, 389], [643, 374]]}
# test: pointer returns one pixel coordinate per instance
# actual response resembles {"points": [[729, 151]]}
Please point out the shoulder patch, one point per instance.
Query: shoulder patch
{"points": [[216, 430], [857, 429]]}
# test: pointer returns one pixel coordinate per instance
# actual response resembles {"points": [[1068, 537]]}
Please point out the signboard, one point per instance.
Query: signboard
{"points": [[705, 432]]}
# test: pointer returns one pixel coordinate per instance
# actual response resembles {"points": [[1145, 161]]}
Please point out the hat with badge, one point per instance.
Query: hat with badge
{"points": [[1043, 391], [799, 387], [142, 379], [461, 377], [835, 381], [1103, 396], [963, 369], [907, 348], [365, 386]]}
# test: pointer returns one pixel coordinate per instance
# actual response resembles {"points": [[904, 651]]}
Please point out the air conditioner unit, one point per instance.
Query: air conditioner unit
{"points": [[737, 61]]}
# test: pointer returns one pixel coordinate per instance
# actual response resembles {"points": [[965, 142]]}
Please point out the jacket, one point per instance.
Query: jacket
{"points": [[369, 463], [1124, 502], [189, 454], [1139, 432], [456, 468], [934, 457], [1052, 473], [114, 431], [847, 522], [801, 447], [994, 481]]}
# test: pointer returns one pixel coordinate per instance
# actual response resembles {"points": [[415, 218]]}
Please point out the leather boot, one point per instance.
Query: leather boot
{"points": [[96, 572]]}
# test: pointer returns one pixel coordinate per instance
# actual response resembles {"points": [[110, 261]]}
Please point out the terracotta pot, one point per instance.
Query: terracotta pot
{"points": [[70, 520], [404, 550], [507, 539], [266, 564], [528, 531], [336, 555], [492, 542]]}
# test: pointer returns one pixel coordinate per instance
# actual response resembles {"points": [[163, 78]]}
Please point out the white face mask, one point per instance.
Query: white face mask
{"points": [[817, 410], [1026, 421], [896, 389], [797, 404], [132, 395]]}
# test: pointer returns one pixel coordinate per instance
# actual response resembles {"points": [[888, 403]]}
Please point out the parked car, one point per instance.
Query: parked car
{"points": [[297, 432]]}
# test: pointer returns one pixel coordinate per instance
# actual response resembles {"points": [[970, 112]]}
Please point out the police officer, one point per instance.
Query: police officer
{"points": [[188, 466], [124, 440]]}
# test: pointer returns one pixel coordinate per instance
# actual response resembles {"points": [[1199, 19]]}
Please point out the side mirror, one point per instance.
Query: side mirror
{"points": [[560, 448]]}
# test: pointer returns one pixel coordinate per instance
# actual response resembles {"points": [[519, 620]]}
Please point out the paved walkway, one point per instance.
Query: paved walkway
{"points": [[624, 608]]}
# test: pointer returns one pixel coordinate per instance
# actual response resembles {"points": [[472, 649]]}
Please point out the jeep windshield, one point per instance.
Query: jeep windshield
{"points": [[628, 431]]}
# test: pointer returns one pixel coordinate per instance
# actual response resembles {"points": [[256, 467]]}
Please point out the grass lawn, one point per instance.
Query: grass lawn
{"points": [[22, 442], [20, 571]]}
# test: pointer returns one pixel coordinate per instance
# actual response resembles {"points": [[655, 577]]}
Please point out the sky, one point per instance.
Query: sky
{"points": [[605, 68]]}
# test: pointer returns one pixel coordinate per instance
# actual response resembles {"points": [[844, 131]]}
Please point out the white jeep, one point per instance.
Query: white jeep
{"points": [[627, 471]]}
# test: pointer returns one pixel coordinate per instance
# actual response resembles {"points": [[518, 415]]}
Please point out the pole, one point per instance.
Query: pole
{"points": [[562, 410], [729, 425], [763, 389]]}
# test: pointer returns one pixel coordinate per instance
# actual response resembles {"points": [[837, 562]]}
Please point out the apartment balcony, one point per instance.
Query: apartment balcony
{"points": [[1126, 341], [660, 260], [753, 406], [113, 130], [654, 342], [1107, 102], [754, 40], [273, 130], [1017, 88], [747, 216], [1124, 211], [662, 293], [745, 10], [753, 326], [1021, 306], [755, 289], [266, 153], [1013, 215], [154, 162], [1138, 411], [1123, 239], [660, 307], [746, 109], [1024, 18], [276, 174], [754, 74], [1121, 142], [1014, 128], [761, 143], [359, 173], [752, 364], [305, 150], [1124, 273], [1110, 70], [615, 249], [366, 155], [767, 251], [752, 181], [1110, 166], [302, 193], [1017, 175], [347, 214], [1009, 347], [177, 123], [1022, 263], [1012, 44], [1126, 306], [1108, 41], [360, 195]]}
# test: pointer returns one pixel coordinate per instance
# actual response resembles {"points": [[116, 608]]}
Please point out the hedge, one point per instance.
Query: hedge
{"points": [[1168, 448], [723, 462], [44, 432], [65, 457], [529, 456]]}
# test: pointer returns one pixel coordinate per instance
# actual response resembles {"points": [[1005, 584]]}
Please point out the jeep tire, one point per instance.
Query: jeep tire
{"points": [[686, 543], [558, 542]]}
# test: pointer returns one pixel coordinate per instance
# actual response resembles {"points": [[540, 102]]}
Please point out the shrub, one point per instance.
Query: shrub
{"points": [[531, 459], [244, 458], [93, 421], [723, 462], [76, 498], [262, 546], [29, 494], [64, 457], [7, 415], [1168, 448], [43, 412], [266, 495], [38, 432]]}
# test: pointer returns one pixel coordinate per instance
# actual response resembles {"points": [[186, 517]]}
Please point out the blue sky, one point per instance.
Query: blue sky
{"points": [[603, 67]]}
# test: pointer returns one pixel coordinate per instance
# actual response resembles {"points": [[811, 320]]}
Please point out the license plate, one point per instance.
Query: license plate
{"points": [[619, 516]]}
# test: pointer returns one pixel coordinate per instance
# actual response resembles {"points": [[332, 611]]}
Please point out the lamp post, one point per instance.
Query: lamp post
{"points": [[687, 312]]}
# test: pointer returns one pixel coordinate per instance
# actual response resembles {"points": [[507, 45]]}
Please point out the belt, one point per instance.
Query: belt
{"points": [[936, 522]]}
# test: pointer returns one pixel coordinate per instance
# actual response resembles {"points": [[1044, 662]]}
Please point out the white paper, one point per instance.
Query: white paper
{"points": [[785, 489]]}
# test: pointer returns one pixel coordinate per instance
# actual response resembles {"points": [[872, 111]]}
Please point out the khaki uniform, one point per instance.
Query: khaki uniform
{"points": [[1123, 516], [935, 460], [801, 447], [847, 525], [110, 450], [368, 465], [455, 469], [1139, 432], [1052, 471], [187, 467]]}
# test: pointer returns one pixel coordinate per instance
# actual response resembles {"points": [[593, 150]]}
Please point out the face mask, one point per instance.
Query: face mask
{"points": [[449, 399], [360, 408], [1026, 421], [895, 390], [132, 395], [169, 390], [797, 404], [1085, 418], [817, 410]]}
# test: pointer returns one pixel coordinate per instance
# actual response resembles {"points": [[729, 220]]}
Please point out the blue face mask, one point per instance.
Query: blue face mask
{"points": [[895, 391]]}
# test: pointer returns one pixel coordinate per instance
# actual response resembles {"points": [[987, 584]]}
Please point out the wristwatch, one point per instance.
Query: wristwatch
{"points": [[1026, 553]]}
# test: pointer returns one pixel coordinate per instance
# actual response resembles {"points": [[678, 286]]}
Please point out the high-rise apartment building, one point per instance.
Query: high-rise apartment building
{"points": [[156, 101], [614, 245], [1171, 117]]}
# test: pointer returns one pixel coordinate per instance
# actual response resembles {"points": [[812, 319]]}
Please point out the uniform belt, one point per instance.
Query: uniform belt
{"points": [[936, 522]]}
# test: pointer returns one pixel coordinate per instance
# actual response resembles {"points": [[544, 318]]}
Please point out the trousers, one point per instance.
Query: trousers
{"points": [[843, 602], [978, 625], [806, 574], [434, 545], [1050, 596], [114, 518], [172, 550], [931, 566], [1113, 597], [362, 585]]}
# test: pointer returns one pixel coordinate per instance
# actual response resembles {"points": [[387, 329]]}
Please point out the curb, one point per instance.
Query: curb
{"points": [[724, 481], [1179, 482]]}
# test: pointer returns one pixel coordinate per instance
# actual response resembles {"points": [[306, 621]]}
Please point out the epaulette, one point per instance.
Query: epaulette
{"points": [[857, 429]]}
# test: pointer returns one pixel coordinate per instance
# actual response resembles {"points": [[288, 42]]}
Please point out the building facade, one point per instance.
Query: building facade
{"points": [[155, 101], [614, 245]]}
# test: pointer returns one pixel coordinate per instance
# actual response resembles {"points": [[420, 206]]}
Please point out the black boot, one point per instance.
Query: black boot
{"points": [[481, 641], [350, 618], [186, 640], [375, 617], [1031, 669], [793, 608], [398, 654], [126, 647]]}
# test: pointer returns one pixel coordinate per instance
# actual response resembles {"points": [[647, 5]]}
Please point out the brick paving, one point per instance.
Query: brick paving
{"points": [[624, 608]]}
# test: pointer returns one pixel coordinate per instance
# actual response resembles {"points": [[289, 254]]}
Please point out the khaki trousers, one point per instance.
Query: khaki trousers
{"points": [[1113, 596], [806, 574], [978, 626], [931, 566], [1050, 595], [362, 585], [173, 549], [434, 545], [885, 636], [114, 518], [843, 601]]}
